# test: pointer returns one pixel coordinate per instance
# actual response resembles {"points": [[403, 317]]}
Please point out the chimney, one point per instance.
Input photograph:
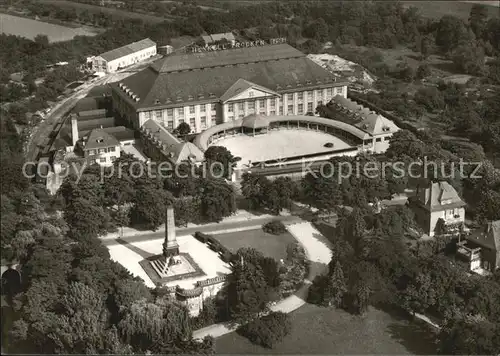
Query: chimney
{"points": [[74, 129]]}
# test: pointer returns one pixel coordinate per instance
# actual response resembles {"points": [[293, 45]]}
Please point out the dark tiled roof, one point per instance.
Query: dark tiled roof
{"points": [[101, 123], [99, 138], [439, 196], [175, 150], [128, 49], [91, 114], [100, 91], [365, 119], [232, 56], [280, 68], [487, 236], [121, 133]]}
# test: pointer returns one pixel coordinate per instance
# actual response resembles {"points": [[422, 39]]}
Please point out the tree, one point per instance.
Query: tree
{"points": [[225, 160], [356, 229], [183, 129], [471, 335], [127, 292], [279, 194], [268, 330], [145, 324], [407, 73], [82, 325], [478, 18], [42, 41], [86, 220], [451, 31], [336, 287], [274, 227], [248, 291], [253, 188], [430, 98], [216, 199], [426, 46], [423, 71], [469, 58], [150, 206]]}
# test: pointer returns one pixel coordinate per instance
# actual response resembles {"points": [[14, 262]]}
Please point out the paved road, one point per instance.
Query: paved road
{"points": [[42, 132], [318, 254], [209, 228], [56, 115]]}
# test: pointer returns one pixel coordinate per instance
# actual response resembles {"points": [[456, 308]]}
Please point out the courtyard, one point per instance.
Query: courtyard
{"points": [[280, 144], [317, 330], [270, 245]]}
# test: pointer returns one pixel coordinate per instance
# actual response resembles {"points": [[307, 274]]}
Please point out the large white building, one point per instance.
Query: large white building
{"points": [[125, 56], [208, 88]]}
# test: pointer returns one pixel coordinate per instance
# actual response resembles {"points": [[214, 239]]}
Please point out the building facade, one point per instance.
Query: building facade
{"points": [[379, 128], [482, 247], [438, 202], [210, 88], [101, 148], [125, 56]]}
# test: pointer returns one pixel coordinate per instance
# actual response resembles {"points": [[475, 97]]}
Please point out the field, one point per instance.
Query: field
{"points": [[121, 14], [280, 144], [28, 28], [328, 331], [269, 245], [461, 9]]}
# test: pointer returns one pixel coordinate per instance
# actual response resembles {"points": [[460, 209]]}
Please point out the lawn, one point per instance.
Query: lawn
{"points": [[460, 9], [269, 245], [328, 331]]}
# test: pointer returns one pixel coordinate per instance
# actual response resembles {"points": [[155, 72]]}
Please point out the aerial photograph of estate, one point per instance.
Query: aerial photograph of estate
{"points": [[247, 177]]}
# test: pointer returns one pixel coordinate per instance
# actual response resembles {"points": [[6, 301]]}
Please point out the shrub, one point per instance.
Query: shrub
{"points": [[207, 316], [201, 236], [226, 256], [274, 227], [315, 293], [268, 330]]}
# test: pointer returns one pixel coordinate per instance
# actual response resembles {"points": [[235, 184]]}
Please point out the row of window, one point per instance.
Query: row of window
{"points": [[104, 159], [192, 123], [290, 111], [452, 213], [251, 105], [102, 150], [158, 114], [319, 93]]}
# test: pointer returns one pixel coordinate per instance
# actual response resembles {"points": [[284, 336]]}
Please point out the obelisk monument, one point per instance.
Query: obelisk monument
{"points": [[170, 246]]}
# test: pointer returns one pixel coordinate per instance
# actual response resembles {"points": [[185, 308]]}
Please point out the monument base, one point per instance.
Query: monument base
{"points": [[157, 268], [171, 251]]}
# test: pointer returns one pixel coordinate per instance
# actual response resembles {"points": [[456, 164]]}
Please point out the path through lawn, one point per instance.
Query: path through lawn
{"points": [[328, 331]]}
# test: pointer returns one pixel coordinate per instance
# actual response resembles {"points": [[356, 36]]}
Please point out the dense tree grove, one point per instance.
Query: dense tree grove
{"points": [[73, 298]]}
